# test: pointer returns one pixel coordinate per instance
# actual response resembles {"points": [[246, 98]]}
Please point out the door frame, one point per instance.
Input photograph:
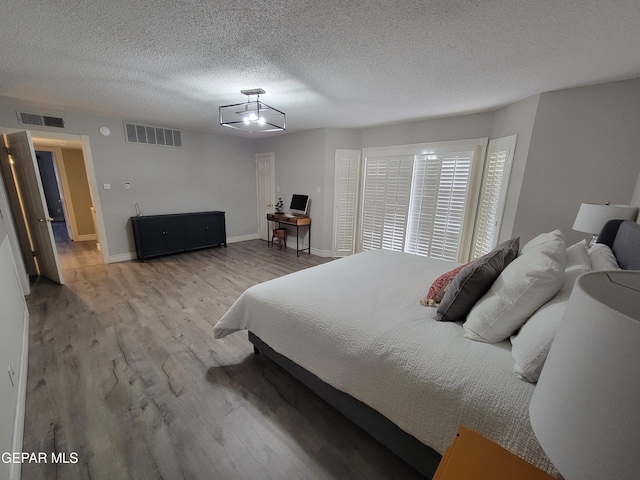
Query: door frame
{"points": [[91, 176]]}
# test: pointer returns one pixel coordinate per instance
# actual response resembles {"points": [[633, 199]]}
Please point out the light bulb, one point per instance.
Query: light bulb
{"points": [[261, 120], [253, 117], [246, 121]]}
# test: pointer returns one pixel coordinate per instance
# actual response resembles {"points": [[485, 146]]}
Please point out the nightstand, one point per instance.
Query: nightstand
{"points": [[472, 456]]}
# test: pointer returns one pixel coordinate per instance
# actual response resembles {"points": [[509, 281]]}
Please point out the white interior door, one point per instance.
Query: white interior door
{"points": [[33, 202], [266, 188]]}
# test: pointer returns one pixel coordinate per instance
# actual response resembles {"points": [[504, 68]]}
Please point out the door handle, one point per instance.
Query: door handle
{"points": [[46, 219]]}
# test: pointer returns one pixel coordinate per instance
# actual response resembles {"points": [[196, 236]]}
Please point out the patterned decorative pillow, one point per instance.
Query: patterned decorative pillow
{"points": [[439, 287]]}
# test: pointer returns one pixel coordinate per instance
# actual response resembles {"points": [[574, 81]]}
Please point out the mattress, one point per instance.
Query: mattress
{"points": [[358, 325]]}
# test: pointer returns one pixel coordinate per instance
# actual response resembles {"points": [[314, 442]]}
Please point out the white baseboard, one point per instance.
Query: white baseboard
{"points": [[15, 468], [321, 253], [122, 257], [243, 238], [86, 237], [291, 242]]}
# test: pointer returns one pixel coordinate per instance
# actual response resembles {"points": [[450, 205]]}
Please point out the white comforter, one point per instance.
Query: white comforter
{"points": [[357, 324]]}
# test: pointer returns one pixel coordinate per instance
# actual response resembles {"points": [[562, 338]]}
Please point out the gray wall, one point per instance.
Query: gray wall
{"points": [[583, 148], [515, 119], [574, 146], [435, 130], [211, 172], [300, 168], [305, 163]]}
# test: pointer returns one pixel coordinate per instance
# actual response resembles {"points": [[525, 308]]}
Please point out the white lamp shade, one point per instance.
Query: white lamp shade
{"points": [[592, 217], [585, 410]]}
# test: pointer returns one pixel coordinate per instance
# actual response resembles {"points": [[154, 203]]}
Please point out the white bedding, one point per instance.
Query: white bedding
{"points": [[357, 324]]}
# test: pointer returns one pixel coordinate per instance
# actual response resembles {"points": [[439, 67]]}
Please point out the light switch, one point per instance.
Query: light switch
{"points": [[106, 186], [127, 185], [318, 189]]}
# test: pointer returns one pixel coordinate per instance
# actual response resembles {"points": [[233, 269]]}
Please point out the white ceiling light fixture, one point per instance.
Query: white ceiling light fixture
{"points": [[252, 116]]}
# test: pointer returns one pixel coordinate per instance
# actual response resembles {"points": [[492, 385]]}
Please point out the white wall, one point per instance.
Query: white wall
{"points": [[210, 172], [584, 148], [14, 328]]}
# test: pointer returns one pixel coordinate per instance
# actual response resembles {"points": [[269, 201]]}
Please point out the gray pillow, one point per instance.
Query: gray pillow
{"points": [[474, 280]]}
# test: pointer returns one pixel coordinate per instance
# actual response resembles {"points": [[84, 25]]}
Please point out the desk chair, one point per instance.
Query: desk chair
{"points": [[281, 235]]}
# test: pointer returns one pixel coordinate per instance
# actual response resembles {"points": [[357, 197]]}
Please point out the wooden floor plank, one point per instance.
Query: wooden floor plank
{"points": [[125, 372]]}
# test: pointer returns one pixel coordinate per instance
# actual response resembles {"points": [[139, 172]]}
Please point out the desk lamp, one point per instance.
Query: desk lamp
{"points": [[592, 217]]}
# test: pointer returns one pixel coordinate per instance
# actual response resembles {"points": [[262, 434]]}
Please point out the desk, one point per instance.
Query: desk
{"points": [[297, 222]]}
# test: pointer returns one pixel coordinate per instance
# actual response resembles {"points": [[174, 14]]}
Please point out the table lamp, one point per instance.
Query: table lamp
{"points": [[585, 410], [592, 217]]}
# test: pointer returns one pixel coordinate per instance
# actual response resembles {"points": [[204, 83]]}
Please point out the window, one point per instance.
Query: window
{"points": [[438, 205], [493, 195], [421, 198], [385, 206]]}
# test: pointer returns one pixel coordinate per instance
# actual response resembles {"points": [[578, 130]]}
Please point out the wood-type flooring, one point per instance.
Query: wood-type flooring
{"points": [[126, 377]]}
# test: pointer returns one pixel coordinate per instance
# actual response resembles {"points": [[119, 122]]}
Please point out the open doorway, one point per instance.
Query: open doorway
{"points": [[68, 196], [71, 161], [52, 194]]}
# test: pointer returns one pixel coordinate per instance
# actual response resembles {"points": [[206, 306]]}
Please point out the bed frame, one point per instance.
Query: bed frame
{"points": [[624, 239], [415, 453]]}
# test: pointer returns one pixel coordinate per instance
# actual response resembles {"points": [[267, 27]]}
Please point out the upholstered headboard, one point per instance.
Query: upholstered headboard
{"points": [[623, 236]]}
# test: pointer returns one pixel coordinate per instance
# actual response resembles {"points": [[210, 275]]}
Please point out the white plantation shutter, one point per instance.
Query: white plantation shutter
{"points": [[421, 198], [438, 208], [493, 194], [345, 201], [385, 204]]}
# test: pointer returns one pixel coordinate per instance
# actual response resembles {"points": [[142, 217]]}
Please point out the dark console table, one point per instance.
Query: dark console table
{"points": [[164, 234]]}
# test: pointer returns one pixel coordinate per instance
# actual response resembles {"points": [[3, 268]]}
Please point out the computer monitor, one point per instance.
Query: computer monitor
{"points": [[299, 204]]}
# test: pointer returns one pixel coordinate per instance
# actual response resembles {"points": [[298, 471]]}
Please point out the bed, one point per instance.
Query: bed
{"points": [[354, 330]]}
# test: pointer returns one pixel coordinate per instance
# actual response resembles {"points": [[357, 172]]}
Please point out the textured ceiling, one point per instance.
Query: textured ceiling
{"points": [[332, 63]]}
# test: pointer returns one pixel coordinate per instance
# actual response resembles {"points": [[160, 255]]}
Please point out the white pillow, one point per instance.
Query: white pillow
{"points": [[532, 343], [602, 258], [528, 282], [578, 255]]}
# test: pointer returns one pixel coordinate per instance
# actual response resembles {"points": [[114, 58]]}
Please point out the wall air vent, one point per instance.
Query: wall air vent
{"points": [[40, 120], [148, 135]]}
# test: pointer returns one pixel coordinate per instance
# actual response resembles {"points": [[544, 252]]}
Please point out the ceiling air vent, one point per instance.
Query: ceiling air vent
{"points": [[148, 135], [40, 120]]}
